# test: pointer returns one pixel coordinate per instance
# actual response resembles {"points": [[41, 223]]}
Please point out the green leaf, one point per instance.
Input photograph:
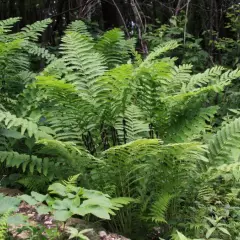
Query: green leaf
{"points": [[97, 211], [181, 236], [62, 215], [11, 134], [30, 200], [100, 201], [43, 210], [60, 205], [210, 232], [8, 204], [39, 197], [224, 230], [17, 219], [58, 188]]}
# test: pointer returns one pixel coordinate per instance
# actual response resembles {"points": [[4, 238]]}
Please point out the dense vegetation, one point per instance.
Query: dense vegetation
{"points": [[145, 142]]}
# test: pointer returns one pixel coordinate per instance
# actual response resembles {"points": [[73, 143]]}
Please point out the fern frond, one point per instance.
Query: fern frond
{"points": [[131, 126], [37, 183], [114, 47], [72, 180], [27, 76], [222, 146], [14, 159], [50, 83], [33, 31], [33, 49], [212, 76], [192, 128], [6, 25], [67, 150], [158, 51], [79, 27], [3, 224], [159, 208], [11, 121], [82, 60], [137, 149]]}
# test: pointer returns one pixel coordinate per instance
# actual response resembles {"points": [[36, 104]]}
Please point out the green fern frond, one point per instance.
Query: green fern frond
{"points": [[6, 25], [34, 31], [190, 152], [33, 163], [111, 90], [33, 49], [225, 141], [79, 27], [226, 171], [67, 150], [159, 208], [50, 83], [114, 47], [4, 225], [131, 126], [206, 193], [137, 148], [11, 121], [158, 51], [9, 48], [212, 76], [72, 180], [37, 183], [27, 76], [82, 60], [192, 128]]}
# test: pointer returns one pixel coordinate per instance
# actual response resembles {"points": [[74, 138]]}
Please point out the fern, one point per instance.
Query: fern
{"points": [[224, 142], [81, 59], [3, 225], [115, 49], [193, 127], [158, 51], [79, 27], [37, 183], [72, 180], [11, 121], [130, 126], [159, 208], [33, 31], [6, 25], [38, 51], [14, 159]]}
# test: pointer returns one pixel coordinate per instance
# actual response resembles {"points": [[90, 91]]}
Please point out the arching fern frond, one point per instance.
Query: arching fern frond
{"points": [[33, 31], [6, 25], [137, 148], [158, 51], [11, 121], [33, 163], [67, 150], [193, 127], [212, 76], [33, 49]]}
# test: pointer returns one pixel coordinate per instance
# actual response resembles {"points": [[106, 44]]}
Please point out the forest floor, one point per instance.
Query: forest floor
{"points": [[46, 221]]}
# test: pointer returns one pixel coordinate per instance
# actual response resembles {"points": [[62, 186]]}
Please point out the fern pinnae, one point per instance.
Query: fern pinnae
{"points": [[159, 208]]}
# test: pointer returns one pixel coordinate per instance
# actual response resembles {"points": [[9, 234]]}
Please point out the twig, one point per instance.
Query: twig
{"points": [[186, 20], [121, 16]]}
